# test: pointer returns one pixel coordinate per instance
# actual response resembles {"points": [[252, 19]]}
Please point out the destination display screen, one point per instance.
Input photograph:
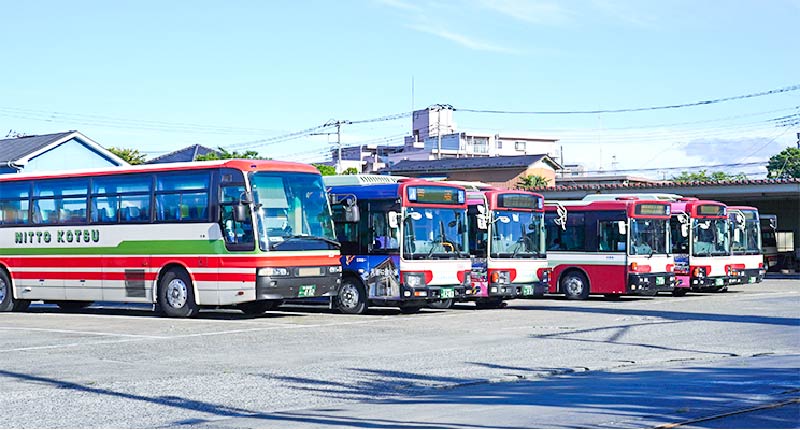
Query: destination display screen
{"points": [[519, 201], [714, 210], [427, 194], [651, 209]]}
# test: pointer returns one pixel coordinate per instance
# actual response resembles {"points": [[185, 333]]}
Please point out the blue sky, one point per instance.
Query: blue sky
{"points": [[158, 76]]}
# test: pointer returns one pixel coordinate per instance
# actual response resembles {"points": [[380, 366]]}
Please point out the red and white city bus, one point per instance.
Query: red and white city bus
{"points": [[181, 236], [701, 243], [611, 247], [507, 246], [747, 262]]}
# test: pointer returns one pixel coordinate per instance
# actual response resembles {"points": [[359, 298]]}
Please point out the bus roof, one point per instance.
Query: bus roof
{"points": [[361, 179], [643, 196], [598, 205], [240, 164]]}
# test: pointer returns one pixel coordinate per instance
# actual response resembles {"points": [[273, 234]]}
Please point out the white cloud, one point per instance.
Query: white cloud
{"points": [[530, 11], [463, 40]]}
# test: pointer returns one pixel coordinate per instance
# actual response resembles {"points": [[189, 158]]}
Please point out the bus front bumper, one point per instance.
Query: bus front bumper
{"points": [[650, 283], [444, 292], [746, 276], [707, 283], [273, 287], [535, 289]]}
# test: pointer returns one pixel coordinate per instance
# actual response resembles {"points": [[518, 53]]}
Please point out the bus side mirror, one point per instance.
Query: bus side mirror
{"points": [[393, 219], [621, 228], [240, 213], [352, 213], [685, 230], [480, 220], [736, 235]]}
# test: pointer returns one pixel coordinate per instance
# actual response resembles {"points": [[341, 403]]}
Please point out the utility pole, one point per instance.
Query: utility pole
{"points": [[338, 125], [438, 108]]}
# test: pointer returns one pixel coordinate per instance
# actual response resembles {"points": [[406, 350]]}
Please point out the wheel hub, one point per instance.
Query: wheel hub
{"points": [[3, 289], [177, 294], [349, 296]]}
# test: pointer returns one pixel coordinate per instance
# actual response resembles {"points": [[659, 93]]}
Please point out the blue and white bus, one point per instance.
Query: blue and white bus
{"points": [[404, 241]]}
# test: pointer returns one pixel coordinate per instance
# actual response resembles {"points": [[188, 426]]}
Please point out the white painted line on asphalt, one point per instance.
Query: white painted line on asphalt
{"points": [[71, 345], [91, 333]]}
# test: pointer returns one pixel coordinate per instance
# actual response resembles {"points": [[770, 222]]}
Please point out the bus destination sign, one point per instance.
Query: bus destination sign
{"points": [[652, 209], [436, 195], [519, 201]]}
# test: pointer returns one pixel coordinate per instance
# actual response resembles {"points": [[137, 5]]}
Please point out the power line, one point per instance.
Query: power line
{"points": [[638, 109]]}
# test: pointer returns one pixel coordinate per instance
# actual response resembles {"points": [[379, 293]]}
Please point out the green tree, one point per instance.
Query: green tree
{"points": [[785, 164], [325, 169], [704, 176], [532, 181], [131, 156], [224, 154], [350, 171]]}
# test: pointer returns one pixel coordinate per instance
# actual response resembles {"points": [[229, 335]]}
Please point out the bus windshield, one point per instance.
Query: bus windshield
{"points": [[710, 237], [292, 211], [746, 238], [433, 233], [648, 236], [516, 235]]}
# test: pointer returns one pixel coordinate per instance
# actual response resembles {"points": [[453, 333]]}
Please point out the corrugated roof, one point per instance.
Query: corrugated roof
{"points": [[184, 155], [590, 187], [465, 163], [18, 148]]}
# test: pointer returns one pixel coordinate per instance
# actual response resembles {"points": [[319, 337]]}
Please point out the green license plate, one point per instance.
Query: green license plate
{"points": [[719, 281], [527, 290], [660, 281], [306, 290], [447, 293], [751, 280]]}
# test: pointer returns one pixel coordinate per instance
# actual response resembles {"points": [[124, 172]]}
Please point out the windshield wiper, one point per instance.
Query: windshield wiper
{"points": [[324, 239]]}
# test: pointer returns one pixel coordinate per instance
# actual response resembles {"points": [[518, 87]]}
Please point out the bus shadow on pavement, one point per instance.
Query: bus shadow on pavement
{"points": [[670, 315], [147, 311], [589, 397], [581, 398]]}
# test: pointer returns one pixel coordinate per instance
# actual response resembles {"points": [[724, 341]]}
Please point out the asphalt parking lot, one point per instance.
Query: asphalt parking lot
{"points": [[633, 362]]}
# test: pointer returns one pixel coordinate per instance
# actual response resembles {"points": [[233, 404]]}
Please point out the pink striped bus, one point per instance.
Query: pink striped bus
{"points": [[180, 236]]}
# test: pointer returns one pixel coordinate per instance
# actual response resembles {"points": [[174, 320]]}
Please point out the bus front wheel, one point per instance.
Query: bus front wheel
{"points": [[176, 294], [441, 304], [7, 301], [575, 286], [352, 297]]}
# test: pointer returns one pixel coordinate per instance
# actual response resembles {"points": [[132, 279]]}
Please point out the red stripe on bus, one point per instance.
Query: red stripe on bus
{"points": [[160, 261], [121, 276]]}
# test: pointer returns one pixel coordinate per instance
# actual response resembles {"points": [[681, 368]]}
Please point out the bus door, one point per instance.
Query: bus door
{"points": [[609, 244], [383, 247]]}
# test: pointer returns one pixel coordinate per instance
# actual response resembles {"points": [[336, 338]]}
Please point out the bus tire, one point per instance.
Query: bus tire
{"points": [[352, 297], [259, 307], [7, 302], [73, 305], [575, 285], [680, 292], [410, 309], [441, 304], [176, 294]]}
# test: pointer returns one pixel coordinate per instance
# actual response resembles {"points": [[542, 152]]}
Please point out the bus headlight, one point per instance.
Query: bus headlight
{"points": [[414, 279], [272, 271]]}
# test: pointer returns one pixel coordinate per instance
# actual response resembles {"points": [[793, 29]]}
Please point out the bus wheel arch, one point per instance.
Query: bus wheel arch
{"points": [[176, 291], [353, 297], [8, 303], [574, 284]]}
